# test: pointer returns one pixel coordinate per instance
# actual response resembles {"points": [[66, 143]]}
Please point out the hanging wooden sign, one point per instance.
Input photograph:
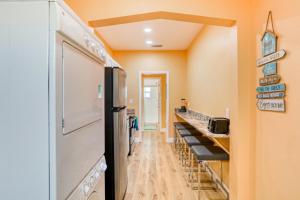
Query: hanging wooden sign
{"points": [[270, 58], [271, 88], [273, 95], [270, 93], [269, 80], [277, 105], [270, 69]]}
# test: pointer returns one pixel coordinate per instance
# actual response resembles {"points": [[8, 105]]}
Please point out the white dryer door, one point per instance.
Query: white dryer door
{"points": [[82, 90]]}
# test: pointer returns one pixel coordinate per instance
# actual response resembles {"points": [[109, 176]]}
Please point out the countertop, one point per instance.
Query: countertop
{"points": [[202, 127]]}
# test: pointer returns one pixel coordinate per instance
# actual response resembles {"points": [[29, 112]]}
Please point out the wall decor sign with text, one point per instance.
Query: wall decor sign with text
{"points": [[273, 95], [277, 105], [271, 88], [270, 58], [274, 79], [271, 92]]}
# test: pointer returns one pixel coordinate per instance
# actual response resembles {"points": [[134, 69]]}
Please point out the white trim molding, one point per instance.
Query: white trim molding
{"points": [[171, 140], [138, 139], [163, 130], [167, 102]]}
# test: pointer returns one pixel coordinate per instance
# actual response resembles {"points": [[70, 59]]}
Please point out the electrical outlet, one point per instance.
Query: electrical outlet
{"points": [[227, 113]]}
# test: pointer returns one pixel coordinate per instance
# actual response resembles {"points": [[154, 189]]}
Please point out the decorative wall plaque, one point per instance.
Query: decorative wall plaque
{"points": [[274, 79], [270, 69], [271, 93], [270, 58], [276, 105], [271, 88], [269, 42]]}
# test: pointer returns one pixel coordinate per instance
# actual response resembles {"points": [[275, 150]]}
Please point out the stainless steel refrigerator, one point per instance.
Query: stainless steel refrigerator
{"points": [[116, 139]]}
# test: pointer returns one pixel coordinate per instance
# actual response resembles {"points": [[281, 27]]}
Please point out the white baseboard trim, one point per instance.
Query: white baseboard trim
{"points": [[163, 130], [170, 140], [138, 140]]}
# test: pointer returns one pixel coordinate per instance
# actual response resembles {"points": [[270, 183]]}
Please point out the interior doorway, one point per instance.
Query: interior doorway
{"points": [[154, 101], [152, 104]]}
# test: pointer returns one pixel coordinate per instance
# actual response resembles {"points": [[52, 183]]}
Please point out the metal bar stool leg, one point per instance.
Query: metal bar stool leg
{"points": [[199, 181], [183, 154], [192, 172]]}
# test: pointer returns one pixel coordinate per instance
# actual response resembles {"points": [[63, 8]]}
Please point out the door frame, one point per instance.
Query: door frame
{"points": [[141, 73]]}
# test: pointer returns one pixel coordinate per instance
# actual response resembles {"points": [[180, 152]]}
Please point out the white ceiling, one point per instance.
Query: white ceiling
{"points": [[173, 35]]}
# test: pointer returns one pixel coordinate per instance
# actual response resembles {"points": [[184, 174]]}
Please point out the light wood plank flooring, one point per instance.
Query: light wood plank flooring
{"points": [[155, 173]]}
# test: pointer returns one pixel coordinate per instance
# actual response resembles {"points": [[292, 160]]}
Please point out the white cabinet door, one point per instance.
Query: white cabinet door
{"points": [[83, 89]]}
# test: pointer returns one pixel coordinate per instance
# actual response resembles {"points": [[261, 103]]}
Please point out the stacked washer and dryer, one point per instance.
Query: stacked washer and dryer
{"points": [[52, 104]]}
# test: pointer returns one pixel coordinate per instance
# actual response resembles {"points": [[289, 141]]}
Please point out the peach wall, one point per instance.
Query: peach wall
{"points": [[172, 61], [210, 70], [211, 61], [278, 137], [242, 164]]}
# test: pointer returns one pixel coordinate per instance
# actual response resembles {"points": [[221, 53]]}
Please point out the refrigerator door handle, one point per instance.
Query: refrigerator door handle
{"points": [[118, 109]]}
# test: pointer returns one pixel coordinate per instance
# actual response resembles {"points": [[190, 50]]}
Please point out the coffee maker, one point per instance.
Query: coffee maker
{"points": [[183, 107]]}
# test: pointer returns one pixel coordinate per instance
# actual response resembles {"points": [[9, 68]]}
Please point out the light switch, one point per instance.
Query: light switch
{"points": [[131, 101]]}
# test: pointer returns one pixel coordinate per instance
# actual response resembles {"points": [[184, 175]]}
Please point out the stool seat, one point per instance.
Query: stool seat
{"points": [[183, 125], [204, 140], [180, 123], [209, 152], [188, 132], [191, 140]]}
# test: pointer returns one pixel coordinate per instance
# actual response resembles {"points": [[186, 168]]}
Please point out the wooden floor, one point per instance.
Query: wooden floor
{"points": [[155, 173]]}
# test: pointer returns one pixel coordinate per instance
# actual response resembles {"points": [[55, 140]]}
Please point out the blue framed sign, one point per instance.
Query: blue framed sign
{"points": [[269, 43], [271, 88], [270, 69]]}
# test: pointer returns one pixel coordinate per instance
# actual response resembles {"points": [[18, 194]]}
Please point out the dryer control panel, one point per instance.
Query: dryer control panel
{"points": [[69, 24], [87, 186]]}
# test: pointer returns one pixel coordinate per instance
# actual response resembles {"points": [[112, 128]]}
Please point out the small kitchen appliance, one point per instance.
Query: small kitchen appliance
{"points": [[219, 125]]}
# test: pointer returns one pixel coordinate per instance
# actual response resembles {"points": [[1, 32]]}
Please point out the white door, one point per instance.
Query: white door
{"points": [[151, 103]]}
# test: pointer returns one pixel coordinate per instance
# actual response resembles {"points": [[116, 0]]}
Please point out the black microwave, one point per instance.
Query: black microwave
{"points": [[218, 125]]}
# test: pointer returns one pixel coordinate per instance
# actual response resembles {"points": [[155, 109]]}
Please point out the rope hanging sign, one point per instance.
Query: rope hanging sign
{"points": [[270, 92]]}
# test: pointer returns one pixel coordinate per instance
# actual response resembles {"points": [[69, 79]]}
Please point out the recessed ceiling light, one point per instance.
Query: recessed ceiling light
{"points": [[147, 30], [149, 42]]}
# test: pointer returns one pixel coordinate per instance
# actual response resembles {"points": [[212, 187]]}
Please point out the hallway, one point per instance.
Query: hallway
{"points": [[155, 173]]}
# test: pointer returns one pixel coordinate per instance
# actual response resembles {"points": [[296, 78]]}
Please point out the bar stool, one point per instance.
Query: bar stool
{"points": [[180, 135], [188, 143], [183, 125], [180, 126], [207, 153]]}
